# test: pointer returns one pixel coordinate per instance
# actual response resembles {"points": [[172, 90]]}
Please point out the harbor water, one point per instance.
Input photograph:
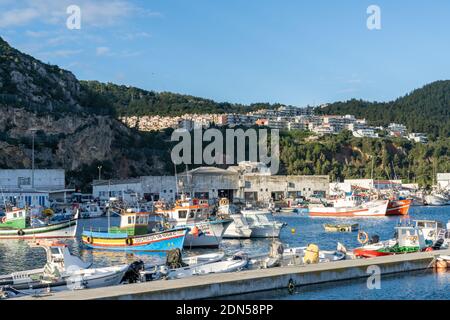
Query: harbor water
{"points": [[301, 230]]}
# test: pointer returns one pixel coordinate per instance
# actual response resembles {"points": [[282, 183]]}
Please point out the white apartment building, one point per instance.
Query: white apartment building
{"points": [[397, 130], [443, 180], [365, 133], [418, 137]]}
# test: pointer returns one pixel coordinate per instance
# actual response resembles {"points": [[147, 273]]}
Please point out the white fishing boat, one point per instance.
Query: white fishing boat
{"points": [[239, 228], [279, 255], [235, 263], [62, 271], [324, 255], [262, 223], [91, 210], [351, 206], [177, 266], [190, 213], [436, 199]]}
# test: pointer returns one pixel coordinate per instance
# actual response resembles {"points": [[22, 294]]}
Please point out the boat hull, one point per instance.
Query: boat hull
{"points": [[157, 242], [237, 229], [434, 200], [210, 234], [67, 229], [374, 209], [267, 231], [398, 207], [368, 253]]}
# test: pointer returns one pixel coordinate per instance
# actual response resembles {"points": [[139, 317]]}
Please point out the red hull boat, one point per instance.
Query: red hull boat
{"points": [[398, 207], [367, 253]]}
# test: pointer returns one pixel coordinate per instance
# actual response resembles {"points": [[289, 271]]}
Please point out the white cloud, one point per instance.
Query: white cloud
{"points": [[136, 35], [36, 34], [97, 13], [102, 51], [17, 17]]}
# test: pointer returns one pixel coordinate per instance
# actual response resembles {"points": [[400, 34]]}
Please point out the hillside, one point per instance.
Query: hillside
{"points": [[344, 156], [424, 110], [127, 101]]}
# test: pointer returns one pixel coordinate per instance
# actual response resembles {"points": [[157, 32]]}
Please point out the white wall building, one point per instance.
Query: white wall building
{"points": [[44, 179], [127, 190]]}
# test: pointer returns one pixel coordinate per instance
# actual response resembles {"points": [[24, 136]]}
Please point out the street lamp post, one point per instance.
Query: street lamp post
{"points": [[99, 173], [33, 131]]}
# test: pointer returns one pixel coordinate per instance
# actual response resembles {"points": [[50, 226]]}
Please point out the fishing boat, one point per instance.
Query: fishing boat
{"points": [[262, 223], [133, 235], [409, 239], [398, 207], [177, 266], [176, 270], [341, 227], [190, 213], [279, 255], [91, 210], [350, 206], [436, 198], [239, 228], [62, 271], [17, 224]]}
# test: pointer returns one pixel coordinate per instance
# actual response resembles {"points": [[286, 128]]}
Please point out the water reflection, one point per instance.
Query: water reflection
{"points": [[15, 255]]}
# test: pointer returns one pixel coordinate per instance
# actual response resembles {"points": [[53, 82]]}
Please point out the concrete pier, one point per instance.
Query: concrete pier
{"points": [[228, 284]]}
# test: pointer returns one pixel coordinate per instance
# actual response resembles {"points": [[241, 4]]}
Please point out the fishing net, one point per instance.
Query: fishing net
{"points": [[174, 259]]}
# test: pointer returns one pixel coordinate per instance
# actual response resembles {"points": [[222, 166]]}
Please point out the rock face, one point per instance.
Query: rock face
{"points": [[69, 132]]}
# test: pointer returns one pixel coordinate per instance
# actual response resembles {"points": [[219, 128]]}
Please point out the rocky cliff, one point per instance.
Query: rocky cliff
{"points": [[73, 128]]}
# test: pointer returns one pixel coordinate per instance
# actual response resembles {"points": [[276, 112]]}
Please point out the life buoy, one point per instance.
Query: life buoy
{"points": [[366, 237], [21, 232], [195, 231], [129, 241], [223, 202], [90, 240]]}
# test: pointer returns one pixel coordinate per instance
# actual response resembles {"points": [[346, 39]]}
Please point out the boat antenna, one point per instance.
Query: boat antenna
{"points": [[176, 181], [109, 196]]}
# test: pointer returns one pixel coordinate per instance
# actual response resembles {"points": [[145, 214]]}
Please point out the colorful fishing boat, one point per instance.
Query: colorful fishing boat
{"points": [[133, 235], [398, 207], [17, 224], [409, 239], [194, 214]]}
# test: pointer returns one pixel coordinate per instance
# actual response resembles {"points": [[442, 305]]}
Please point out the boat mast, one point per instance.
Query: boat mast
{"points": [[176, 181]]}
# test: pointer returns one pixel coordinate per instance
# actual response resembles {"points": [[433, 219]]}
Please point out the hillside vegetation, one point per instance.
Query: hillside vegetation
{"points": [[131, 101], [424, 110]]}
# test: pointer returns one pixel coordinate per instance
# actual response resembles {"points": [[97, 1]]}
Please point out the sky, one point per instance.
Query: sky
{"points": [[298, 52]]}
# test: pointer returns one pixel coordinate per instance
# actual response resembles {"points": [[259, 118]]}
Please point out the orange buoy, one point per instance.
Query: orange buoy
{"points": [[195, 231]]}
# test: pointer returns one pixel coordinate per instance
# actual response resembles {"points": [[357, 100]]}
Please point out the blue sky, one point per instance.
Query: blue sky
{"points": [[288, 51]]}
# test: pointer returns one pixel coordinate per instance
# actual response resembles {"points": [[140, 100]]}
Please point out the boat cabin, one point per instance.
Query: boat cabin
{"points": [[14, 218], [185, 211], [430, 228], [133, 223], [258, 217], [410, 237]]}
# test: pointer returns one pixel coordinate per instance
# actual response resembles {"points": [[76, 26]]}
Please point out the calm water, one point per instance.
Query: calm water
{"points": [[15, 255]]}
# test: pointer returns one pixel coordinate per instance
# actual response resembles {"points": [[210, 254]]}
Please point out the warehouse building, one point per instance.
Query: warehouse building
{"points": [[249, 182]]}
